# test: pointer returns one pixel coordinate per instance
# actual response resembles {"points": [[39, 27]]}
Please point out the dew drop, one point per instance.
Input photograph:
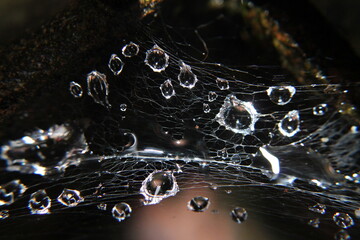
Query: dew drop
{"points": [[343, 220], [198, 204], [228, 191], [206, 108], [213, 186], [4, 214], [102, 206], [115, 64], [222, 84], [130, 50], [76, 89], [239, 214], [212, 96], [10, 191], [186, 77], [290, 124], [123, 107], [237, 116], [222, 153], [281, 95], [121, 211], [318, 208], [157, 186], [320, 109], [342, 235], [39, 202], [167, 89], [70, 197], [157, 59], [314, 222], [98, 88]]}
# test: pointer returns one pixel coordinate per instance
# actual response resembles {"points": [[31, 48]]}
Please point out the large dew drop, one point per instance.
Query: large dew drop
{"points": [[116, 65], [70, 197], [39, 202], [237, 116], [76, 89], [186, 77], [198, 204], [290, 124], [121, 211], [167, 89], [157, 186], [157, 59], [281, 95], [343, 220], [98, 88], [11, 191], [239, 214], [130, 50]]}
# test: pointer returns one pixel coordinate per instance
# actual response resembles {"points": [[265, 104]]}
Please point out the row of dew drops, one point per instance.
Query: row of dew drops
{"points": [[157, 186], [158, 60]]}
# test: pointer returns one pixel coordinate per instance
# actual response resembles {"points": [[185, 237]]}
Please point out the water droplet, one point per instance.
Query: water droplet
{"points": [[281, 95], [239, 214], [213, 186], [167, 89], [343, 220], [10, 191], [206, 108], [70, 197], [102, 206], [318, 208], [198, 204], [357, 213], [222, 153], [156, 59], [116, 65], [4, 214], [228, 191], [222, 84], [157, 186], [121, 211], [320, 109], [314, 222], [39, 202], [212, 96], [123, 107], [186, 77], [290, 124], [342, 235], [130, 50], [98, 88], [76, 90], [237, 116]]}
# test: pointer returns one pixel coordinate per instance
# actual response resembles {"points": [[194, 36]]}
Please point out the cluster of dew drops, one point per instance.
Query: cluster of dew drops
{"points": [[235, 115]]}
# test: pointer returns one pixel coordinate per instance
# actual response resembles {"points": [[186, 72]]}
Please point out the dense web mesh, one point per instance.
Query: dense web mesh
{"points": [[248, 132]]}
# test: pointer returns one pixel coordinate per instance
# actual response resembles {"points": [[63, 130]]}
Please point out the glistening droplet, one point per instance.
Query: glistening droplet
{"points": [[198, 204], [4, 214], [98, 88], [157, 186], [237, 116], [130, 50], [212, 96], [290, 124], [123, 107], [343, 220], [115, 64], [70, 197], [314, 222], [281, 95], [76, 89], [342, 235], [222, 84], [318, 208], [39, 202], [206, 108], [320, 109], [121, 211], [167, 89], [157, 59], [186, 77], [239, 214]]}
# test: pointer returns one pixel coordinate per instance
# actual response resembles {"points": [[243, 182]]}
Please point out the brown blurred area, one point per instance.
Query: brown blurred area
{"points": [[19, 16]]}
